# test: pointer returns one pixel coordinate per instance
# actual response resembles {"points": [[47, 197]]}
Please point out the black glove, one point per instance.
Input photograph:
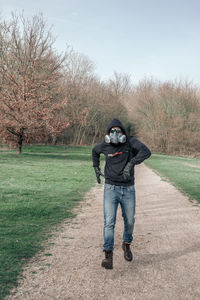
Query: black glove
{"points": [[98, 174], [127, 171]]}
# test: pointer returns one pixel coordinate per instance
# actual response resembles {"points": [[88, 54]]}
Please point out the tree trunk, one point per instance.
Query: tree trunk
{"points": [[20, 141]]}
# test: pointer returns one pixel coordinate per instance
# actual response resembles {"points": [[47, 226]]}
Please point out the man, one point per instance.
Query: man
{"points": [[122, 153]]}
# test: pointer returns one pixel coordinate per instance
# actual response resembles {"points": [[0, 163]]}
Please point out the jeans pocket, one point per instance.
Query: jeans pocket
{"points": [[108, 186], [131, 189]]}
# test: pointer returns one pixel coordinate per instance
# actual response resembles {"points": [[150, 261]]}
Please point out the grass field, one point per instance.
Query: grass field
{"points": [[38, 190], [182, 172]]}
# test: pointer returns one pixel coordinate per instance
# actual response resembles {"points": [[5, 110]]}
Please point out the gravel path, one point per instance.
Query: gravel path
{"points": [[166, 251]]}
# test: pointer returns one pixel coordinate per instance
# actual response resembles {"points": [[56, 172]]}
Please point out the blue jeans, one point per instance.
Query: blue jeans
{"points": [[125, 196]]}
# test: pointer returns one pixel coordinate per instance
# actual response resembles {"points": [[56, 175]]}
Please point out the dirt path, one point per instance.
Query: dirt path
{"points": [[166, 251]]}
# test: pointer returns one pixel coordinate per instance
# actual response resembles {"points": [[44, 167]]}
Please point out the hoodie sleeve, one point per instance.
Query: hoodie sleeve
{"points": [[139, 150], [96, 151]]}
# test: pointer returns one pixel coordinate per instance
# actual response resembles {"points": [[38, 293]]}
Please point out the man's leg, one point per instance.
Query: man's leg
{"points": [[127, 203], [110, 211]]}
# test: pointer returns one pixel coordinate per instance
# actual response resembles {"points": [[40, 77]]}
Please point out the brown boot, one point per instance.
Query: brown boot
{"points": [[127, 251], [107, 263]]}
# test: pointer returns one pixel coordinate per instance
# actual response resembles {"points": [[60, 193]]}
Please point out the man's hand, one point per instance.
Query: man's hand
{"points": [[127, 171], [98, 174]]}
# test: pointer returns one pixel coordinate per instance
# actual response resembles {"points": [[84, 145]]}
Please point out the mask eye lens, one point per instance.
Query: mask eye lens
{"points": [[117, 130]]}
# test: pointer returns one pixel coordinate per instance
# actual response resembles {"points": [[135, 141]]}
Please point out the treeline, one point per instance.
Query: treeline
{"points": [[48, 97], [167, 115]]}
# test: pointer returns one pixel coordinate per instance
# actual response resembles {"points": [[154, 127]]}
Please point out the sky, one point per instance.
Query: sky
{"points": [[143, 38]]}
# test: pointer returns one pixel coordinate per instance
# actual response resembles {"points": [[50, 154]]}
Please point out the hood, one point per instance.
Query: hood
{"points": [[114, 123]]}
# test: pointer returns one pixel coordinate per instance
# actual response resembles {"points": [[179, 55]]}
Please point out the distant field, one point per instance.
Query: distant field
{"points": [[38, 190], [181, 171]]}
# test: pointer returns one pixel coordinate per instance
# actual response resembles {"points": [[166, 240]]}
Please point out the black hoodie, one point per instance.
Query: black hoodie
{"points": [[118, 155]]}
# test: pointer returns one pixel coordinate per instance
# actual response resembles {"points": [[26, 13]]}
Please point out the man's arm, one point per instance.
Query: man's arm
{"points": [[96, 155], [96, 151], [141, 152]]}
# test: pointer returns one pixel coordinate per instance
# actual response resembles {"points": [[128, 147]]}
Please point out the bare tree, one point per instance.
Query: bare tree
{"points": [[31, 82], [167, 115]]}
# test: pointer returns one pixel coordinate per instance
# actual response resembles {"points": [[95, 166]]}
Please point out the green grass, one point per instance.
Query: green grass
{"points": [[182, 172], [38, 190]]}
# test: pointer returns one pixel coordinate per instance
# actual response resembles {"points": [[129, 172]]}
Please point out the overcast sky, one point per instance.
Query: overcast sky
{"points": [[158, 38]]}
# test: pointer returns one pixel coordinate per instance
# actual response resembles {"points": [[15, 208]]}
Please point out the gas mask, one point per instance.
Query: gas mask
{"points": [[116, 137]]}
